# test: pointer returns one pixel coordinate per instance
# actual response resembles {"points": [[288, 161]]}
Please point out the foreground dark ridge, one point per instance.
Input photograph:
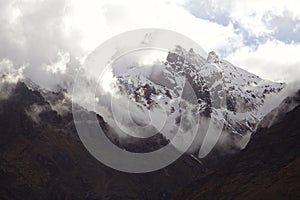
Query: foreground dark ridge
{"points": [[269, 168], [46, 159]]}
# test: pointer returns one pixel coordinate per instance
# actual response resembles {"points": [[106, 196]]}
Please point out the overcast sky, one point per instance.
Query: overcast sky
{"points": [[47, 38]]}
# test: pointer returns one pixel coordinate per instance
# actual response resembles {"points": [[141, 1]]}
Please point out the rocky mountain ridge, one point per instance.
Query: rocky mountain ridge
{"points": [[212, 87]]}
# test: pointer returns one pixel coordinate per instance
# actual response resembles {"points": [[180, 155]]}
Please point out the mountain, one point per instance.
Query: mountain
{"points": [[185, 86], [268, 168], [42, 157], [278, 113]]}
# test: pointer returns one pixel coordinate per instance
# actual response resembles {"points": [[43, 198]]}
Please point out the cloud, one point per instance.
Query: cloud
{"points": [[33, 33], [273, 60], [285, 25], [277, 106], [34, 112], [9, 76], [60, 65], [10, 73], [213, 11], [250, 15], [52, 37], [269, 33]]}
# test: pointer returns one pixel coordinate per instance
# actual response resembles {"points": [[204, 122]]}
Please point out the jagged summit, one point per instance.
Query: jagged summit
{"points": [[221, 91], [41, 153], [213, 58]]}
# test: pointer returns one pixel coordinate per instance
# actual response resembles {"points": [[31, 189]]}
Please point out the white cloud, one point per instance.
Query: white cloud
{"points": [[60, 65], [273, 60], [10, 73], [269, 33], [34, 112], [36, 33], [249, 15], [9, 76]]}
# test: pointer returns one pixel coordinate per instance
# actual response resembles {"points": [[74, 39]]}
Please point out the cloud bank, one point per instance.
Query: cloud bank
{"points": [[52, 37]]}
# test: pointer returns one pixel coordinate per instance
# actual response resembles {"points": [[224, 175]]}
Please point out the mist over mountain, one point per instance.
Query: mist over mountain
{"points": [[149, 99], [255, 155]]}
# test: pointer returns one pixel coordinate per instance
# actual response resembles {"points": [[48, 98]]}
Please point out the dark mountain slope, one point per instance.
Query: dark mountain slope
{"points": [[269, 167], [41, 157]]}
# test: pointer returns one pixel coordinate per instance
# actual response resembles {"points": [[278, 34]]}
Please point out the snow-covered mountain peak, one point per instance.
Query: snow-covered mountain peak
{"points": [[217, 90]]}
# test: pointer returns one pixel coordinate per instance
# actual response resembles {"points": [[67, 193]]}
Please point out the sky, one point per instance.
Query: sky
{"points": [[48, 39]]}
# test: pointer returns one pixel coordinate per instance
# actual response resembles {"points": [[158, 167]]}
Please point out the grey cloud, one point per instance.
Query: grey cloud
{"points": [[9, 75], [284, 26], [208, 10], [33, 33], [34, 111]]}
